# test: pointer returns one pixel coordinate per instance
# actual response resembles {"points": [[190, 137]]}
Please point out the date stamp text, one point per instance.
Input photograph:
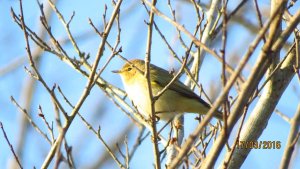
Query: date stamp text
{"points": [[258, 145]]}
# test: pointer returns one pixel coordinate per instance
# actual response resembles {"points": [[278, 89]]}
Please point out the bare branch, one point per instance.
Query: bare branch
{"points": [[290, 145], [87, 89], [10, 145]]}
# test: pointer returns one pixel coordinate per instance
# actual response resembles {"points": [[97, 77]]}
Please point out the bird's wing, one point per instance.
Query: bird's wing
{"points": [[177, 85]]}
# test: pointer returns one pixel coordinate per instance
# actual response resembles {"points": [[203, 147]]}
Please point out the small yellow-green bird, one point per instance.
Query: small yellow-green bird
{"points": [[176, 100]]}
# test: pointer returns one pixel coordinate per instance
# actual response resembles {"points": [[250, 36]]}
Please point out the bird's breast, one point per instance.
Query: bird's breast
{"points": [[139, 95]]}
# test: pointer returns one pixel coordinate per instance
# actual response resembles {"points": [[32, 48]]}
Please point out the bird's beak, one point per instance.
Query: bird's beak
{"points": [[116, 71]]}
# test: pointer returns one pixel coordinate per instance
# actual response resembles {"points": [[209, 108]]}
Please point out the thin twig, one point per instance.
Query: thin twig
{"points": [[259, 16], [137, 142], [50, 128], [87, 90], [256, 75], [147, 75], [283, 116], [219, 101], [292, 139], [226, 107], [237, 139], [180, 27], [172, 81], [10, 145], [67, 26], [109, 150], [35, 126]]}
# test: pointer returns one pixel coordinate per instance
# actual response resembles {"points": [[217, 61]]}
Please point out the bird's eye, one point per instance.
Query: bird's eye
{"points": [[128, 69]]}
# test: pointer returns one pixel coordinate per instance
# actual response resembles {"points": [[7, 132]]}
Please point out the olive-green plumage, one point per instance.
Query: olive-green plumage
{"points": [[177, 99]]}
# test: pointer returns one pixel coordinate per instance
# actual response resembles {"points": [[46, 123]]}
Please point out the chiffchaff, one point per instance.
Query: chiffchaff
{"points": [[177, 99]]}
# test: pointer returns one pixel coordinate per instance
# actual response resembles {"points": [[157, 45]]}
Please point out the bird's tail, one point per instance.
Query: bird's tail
{"points": [[218, 115]]}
